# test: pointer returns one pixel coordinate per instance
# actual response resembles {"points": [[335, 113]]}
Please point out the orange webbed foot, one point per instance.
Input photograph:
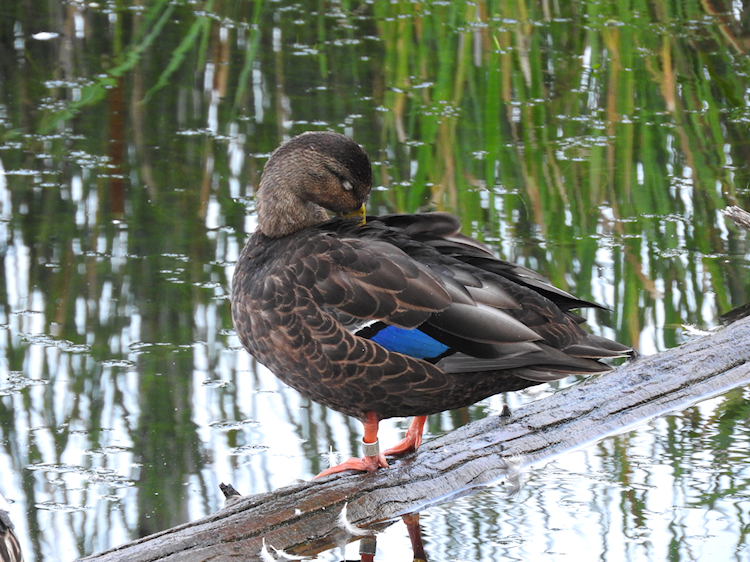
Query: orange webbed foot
{"points": [[365, 464], [372, 459], [412, 440]]}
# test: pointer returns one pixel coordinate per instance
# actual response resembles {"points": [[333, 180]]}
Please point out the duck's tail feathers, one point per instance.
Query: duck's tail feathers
{"points": [[598, 347]]}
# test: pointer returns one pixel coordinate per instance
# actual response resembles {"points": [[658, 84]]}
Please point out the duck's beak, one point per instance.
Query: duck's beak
{"points": [[360, 214]]}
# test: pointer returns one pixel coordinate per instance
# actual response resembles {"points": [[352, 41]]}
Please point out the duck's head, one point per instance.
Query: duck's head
{"points": [[308, 174]]}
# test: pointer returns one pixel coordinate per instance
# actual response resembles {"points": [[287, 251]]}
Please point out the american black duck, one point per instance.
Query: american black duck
{"points": [[10, 548], [400, 315]]}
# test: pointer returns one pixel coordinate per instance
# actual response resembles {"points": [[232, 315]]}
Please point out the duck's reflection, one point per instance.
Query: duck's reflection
{"points": [[347, 532], [415, 536], [368, 545]]}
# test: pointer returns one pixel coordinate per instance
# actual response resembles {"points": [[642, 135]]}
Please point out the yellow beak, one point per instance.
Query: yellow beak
{"points": [[360, 213]]}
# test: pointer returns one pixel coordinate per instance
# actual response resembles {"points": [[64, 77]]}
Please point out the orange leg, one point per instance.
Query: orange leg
{"points": [[413, 438], [366, 463]]}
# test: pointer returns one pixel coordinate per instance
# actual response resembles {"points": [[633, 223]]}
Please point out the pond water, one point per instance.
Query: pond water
{"points": [[594, 142]]}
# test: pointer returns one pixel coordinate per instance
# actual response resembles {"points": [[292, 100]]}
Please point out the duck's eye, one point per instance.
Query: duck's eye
{"points": [[347, 185]]}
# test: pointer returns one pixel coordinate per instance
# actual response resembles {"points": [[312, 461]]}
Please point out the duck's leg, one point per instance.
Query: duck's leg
{"points": [[413, 438], [372, 459]]}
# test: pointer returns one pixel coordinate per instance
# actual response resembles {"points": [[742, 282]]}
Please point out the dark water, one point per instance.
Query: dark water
{"points": [[595, 142]]}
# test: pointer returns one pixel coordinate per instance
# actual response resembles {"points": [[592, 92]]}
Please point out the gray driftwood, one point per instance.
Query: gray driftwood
{"points": [[739, 216], [303, 517]]}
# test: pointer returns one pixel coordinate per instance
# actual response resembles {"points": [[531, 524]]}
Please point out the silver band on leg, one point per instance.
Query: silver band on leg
{"points": [[371, 449]]}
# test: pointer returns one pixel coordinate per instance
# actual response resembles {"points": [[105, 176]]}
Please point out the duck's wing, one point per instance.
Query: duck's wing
{"points": [[385, 284], [475, 278], [441, 231], [372, 280]]}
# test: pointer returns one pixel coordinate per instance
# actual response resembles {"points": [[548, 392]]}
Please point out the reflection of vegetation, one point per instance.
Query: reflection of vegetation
{"points": [[628, 116], [695, 447], [154, 20], [593, 141]]}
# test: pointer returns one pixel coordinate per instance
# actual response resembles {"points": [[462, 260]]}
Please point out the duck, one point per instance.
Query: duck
{"points": [[10, 547], [397, 315]]}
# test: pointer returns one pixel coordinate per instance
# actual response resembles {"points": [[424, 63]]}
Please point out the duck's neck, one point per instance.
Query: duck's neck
{"points": [[281, 212]]}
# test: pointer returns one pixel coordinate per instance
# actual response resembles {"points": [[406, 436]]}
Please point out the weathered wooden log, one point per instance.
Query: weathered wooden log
{"points": [[739, 216], [303, 517]]}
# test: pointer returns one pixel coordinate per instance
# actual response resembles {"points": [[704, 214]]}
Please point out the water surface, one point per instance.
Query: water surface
{"points": [[594, 142]]}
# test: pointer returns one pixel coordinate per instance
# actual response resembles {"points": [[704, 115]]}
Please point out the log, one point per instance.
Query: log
{"points": [[739, 216], [302, 518]]}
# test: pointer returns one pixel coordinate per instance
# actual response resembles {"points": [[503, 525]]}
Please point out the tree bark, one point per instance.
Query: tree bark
{"points": [[303, 517]]}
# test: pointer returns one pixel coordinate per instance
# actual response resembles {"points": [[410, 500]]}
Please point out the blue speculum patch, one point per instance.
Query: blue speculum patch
{"points": [[409, 342]]}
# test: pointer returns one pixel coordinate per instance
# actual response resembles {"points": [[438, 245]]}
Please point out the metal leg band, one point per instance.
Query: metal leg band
{"points": [[371, 449]]}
